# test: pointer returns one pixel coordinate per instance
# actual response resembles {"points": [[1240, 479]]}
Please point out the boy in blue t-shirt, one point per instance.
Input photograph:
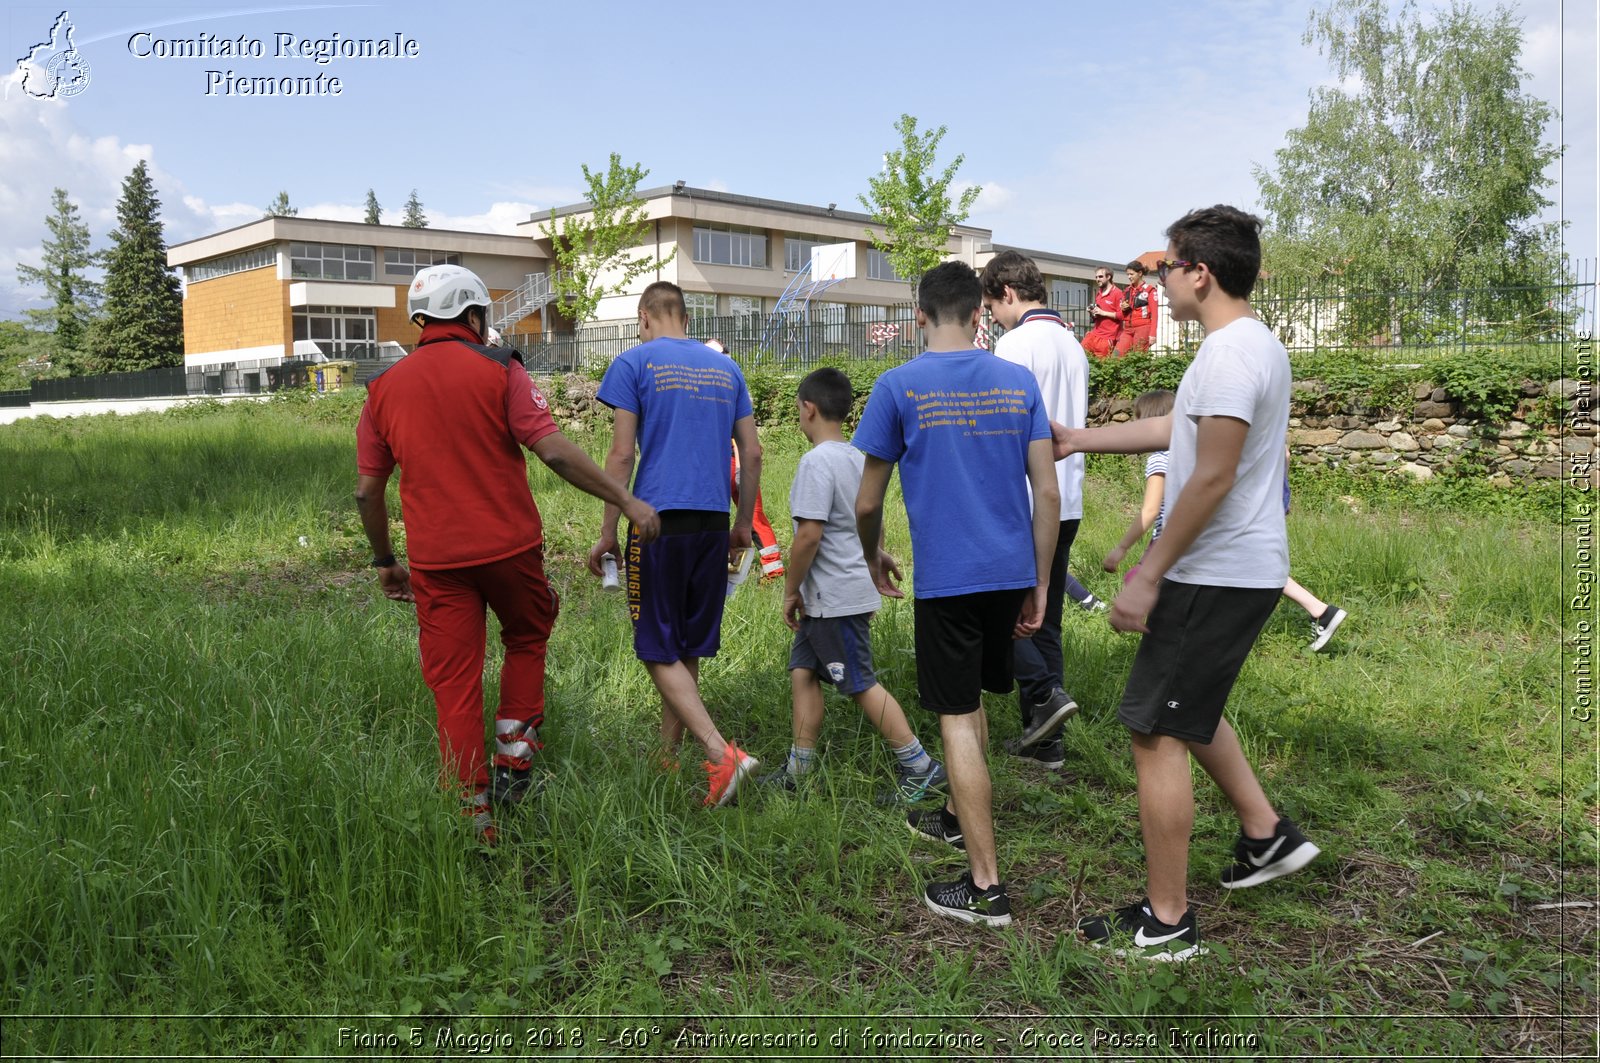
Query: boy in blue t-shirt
{"points": [[962, 424], [681, 402], [829, 596]]}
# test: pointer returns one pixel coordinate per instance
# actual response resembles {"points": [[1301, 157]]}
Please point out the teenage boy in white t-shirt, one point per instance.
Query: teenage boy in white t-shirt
{"points": [[1205, 589], [1037, 339]]}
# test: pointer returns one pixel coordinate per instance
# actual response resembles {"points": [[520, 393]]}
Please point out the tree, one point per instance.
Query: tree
{"points": [[374, 212], [74, 298], [913, 205], [414, 218], [592, 249], [1421, 167], [143, 322], [279, 208]]}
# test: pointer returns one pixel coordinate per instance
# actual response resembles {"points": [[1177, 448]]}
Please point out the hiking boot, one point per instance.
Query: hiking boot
{"points": [[912, 786], [936, 825], [1323, 627], [963, 900], [1261, 860], [1050, 755], [508, 786], [725, 776], [1135, 931], [1047, 717]]}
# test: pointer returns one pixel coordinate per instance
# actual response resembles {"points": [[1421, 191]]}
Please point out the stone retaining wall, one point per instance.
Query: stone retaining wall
{"points": [[1433, 434]]}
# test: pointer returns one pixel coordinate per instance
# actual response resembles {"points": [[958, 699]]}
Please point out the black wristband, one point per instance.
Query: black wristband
{"points": [[386, 561]]}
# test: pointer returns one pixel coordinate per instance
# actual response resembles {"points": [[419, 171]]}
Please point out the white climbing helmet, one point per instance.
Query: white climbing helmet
{"points": [[442, 292]]}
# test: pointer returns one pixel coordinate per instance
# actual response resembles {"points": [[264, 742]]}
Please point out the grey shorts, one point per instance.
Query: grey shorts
{"points": [[838, 649], [1186, 666]]}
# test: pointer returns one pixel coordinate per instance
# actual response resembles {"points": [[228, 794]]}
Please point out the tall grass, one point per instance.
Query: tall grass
{"points": [[221, 793]]}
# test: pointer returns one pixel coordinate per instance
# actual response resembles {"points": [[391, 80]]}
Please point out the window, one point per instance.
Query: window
{"points": [[730, 247], [330, 262], [879, 268], [255, 258], [797, 251], [1065, 294], [405, 261], [338, 331], [701, 306], [745, 311]]}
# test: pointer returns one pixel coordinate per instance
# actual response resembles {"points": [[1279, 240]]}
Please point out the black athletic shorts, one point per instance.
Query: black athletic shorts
{"points": [[964, 648], [1186, 666]]}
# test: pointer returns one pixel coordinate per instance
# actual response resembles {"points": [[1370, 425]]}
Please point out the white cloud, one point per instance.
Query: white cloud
{"points": [[992, 196]]}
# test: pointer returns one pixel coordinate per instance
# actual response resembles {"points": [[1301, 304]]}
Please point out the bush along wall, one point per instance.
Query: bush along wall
{"points": [[1504, 415]]}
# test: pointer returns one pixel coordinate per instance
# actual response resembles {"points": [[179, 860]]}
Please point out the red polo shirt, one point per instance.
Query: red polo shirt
{"points": [[451, 416]]}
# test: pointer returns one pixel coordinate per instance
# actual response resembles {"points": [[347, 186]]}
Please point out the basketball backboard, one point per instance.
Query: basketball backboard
{"points": [[833, 262]]}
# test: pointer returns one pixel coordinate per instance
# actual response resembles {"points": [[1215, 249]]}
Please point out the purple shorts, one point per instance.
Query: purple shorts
{"points": [[677, 585]]}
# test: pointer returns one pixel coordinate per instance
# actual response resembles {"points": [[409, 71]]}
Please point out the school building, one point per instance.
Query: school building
{"points": [[285, 287]]}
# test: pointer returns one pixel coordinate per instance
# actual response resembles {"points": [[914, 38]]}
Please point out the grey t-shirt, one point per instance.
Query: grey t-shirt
{"points": [[824, 489]]}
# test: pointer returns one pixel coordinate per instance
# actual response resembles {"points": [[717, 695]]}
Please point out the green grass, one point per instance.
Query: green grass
{"points": [[221, 799]]}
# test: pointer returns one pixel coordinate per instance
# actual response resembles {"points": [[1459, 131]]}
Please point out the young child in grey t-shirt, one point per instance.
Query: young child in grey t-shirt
{"points": [[829, 596]]}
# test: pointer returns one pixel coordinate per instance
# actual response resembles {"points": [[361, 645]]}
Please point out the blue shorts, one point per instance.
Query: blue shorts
{"points": [[677, 585], [838, 649]]}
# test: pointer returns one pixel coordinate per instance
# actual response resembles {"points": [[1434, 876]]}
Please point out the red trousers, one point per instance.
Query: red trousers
{"points": [[451, 630], [765, 539], [1134, 338], [1101, 344]]}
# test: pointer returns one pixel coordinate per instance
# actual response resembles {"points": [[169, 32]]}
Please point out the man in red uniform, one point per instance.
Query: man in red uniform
{"points": [[1141, 304], [451, 416], [1105, 313]]}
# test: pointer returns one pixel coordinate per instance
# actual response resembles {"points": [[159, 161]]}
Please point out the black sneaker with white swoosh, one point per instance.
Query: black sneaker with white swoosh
{"points": [[1259, 860], [1135, 931]]}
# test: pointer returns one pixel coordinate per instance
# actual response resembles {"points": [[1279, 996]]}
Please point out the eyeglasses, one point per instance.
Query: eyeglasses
{"points": [[1166, 264]]}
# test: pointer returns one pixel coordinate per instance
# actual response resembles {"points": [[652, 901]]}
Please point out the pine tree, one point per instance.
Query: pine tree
{"points": [[74, 297], [374, 212], [279, 208], [143, 323], [414, 218]]}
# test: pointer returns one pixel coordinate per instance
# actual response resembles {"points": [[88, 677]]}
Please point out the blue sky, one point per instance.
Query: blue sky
{"points": [[1088, 128]]}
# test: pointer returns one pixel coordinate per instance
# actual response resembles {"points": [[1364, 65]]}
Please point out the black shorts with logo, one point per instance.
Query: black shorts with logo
{"points": [[1187, 664]]}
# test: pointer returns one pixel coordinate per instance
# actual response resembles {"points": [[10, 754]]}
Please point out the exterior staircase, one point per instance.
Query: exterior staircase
{"points": [[533, 295]]}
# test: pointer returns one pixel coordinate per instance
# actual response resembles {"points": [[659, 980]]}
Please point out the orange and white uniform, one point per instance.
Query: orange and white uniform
{"points": [[1139, 320], [1102, 338]]}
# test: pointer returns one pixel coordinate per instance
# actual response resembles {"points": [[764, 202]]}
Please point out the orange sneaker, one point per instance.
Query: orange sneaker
{"points": [[725, 777]]}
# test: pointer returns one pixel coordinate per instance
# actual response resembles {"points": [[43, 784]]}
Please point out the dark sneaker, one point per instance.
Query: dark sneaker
{"points": [[781, 782], [911, 787], [1047, 717], [936, 825], [964, 901], [1323, 627], [1135, 931], [1092, 604], [1051, 755], [1261, 860]]}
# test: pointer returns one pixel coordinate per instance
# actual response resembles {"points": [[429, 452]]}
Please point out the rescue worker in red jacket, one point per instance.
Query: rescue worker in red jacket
{"points": [[1105, 316], [1141, 306], [451, 415], [762, 536]]}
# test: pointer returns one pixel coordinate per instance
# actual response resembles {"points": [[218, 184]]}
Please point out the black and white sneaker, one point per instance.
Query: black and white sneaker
{"points": [[1264, 859], [936, 825], [1051, 754], [963, 900], [1323, 627], [1135, 931], [1048, 716]]}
